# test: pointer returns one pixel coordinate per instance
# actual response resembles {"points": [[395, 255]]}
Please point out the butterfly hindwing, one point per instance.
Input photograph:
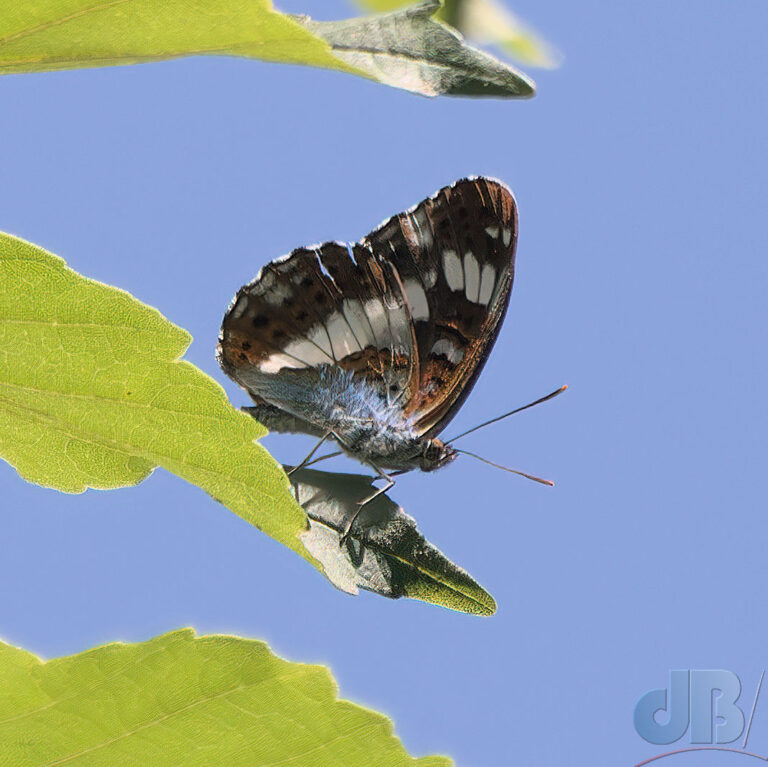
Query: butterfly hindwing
{"points": [[317, 314]]}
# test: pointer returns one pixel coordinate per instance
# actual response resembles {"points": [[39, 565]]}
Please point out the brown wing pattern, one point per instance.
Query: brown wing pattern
{"points": [[327, 305], [454, 253]]}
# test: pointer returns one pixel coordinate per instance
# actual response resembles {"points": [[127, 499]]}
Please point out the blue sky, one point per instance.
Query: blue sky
{"points": [[640, 170]]}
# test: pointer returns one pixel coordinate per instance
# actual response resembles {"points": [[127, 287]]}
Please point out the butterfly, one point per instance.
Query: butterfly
{"points": [[377, 344]]}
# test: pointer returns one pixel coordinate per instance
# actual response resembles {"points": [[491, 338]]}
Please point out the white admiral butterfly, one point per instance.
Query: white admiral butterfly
{"points": [[378, 343]]}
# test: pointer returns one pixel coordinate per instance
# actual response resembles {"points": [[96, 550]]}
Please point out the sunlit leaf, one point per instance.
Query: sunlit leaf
{"points": [[378, 547], [93, 393], [487, 22], [407, 50], [180, 699]]}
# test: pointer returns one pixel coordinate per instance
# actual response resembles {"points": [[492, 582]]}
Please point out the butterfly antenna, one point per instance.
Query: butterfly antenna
{"points": [[506, 415], [547, 482]]}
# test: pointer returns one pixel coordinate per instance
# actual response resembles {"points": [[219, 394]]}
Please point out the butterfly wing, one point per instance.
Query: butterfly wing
{"points": [[455, 255], [326, 320], [411, 312]]}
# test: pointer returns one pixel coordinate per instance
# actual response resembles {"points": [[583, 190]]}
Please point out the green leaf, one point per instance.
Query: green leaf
{"points": [[379, 547], [93, 393], [487, 22], [406, 49], [182, 699]]}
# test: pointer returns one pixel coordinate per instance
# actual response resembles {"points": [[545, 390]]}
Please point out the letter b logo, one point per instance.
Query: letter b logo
{"points": [[691, 699]]}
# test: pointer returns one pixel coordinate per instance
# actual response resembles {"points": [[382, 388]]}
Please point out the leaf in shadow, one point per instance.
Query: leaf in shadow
{"points": [[384, 551], [409, 49], [486, 22]]}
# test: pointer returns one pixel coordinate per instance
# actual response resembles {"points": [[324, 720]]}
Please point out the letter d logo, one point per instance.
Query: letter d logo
{"points": [[675, 703]]}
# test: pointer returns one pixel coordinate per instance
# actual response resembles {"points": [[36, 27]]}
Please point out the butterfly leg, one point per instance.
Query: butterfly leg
{"points": [[324, 458], [308, 458], [361, 504]]}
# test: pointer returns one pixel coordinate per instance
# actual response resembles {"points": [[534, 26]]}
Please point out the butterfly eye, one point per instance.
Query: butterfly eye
{"points": [[436, 454]]}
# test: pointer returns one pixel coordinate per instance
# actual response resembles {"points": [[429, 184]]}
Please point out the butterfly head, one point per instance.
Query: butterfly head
{"points": [[435, 454]]}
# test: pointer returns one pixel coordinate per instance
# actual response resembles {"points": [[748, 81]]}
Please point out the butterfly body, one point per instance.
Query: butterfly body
{"points": [[365, 425], [377, 343]]}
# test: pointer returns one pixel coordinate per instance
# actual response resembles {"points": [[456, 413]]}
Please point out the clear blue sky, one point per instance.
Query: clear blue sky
{"points": [[640, 171]]}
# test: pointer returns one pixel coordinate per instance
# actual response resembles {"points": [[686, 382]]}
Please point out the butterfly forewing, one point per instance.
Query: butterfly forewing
{"points": [[454, 253]]}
